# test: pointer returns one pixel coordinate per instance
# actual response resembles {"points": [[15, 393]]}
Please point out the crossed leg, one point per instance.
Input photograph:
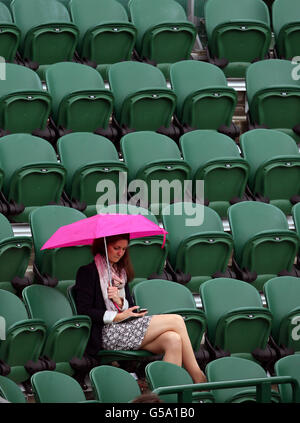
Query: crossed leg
{"points": [[167, 334]]}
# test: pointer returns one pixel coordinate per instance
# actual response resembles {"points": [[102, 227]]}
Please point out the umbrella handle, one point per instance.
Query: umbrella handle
{"points": [[107, 262]]}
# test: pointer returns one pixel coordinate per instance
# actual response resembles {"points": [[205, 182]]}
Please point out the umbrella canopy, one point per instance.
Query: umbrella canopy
{"points": [[86, 230]]}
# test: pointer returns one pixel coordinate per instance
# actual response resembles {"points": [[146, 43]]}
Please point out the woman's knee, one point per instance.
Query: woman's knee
{"points": [[171, 339]]}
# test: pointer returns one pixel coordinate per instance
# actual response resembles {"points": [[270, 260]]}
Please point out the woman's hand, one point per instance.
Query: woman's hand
{"points": [[128, 313], [113, 295]]}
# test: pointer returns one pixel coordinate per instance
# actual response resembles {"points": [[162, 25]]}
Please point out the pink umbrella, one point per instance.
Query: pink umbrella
{"points": [[86, 230]]}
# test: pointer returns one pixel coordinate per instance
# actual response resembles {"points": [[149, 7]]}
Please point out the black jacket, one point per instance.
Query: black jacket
{"points": [[89, 301]]}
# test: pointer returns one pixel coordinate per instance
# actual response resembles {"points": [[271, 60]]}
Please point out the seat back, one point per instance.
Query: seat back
{"points": [[204, 100], [47, 33], [106, 390], [61, 263], [91, 161], [163, 373], [24, 105], [15, 252], [214, 157], [164, 33], [273, 94], [105, 34], [286, 24], [164, 297], [230, 369], [142, 99], [282, 296], [262, 240], [56, 387], [288, 366], [274, 165], [196, 231], [33, 177], [80, 100], [237, 322], [11, 391], [239, 32], [10, 34]]}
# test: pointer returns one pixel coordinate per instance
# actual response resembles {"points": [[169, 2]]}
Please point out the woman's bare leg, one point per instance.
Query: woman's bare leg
{"points": [[168, 343], [173, 322]]}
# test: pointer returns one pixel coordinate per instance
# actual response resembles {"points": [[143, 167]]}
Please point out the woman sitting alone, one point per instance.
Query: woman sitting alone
{"points": [[115, 325]]}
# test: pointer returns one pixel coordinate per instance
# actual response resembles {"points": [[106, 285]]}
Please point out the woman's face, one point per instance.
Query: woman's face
{"points": [[116, 250]]}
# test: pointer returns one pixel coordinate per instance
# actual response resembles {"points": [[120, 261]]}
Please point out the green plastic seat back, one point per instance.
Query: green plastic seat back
{"points": [[154, 157], [12, 308], [33, 177], [239, 32], [273, 94], [47, 304], [236, 319], [262, 239], [10, 34], [141, 98], [215, 158], [11, 391], [162, 373], [146, 254], [287, 366], [80, 100], [47, 33], [230, 369], [282, 296], [286, 21], [88, 159], [196, 231], [274, 163], [25, 106], [105, 33], [55, 387], [106, 390], [164, 33], [61, 263], [204, 100]]}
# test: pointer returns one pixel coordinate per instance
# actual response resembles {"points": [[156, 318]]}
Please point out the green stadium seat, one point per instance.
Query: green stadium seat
{"points": [[10, 391], [32, 175], [155, 159], [165, 297], [237, 322], [10, 35], [81, 103], [47, 33], [238, 33], [67, 333], [286, 24], [164, 34], [235, 368], [89, 159], [264, 246], [274, 161], [143, 102], [106, 390], [288, 366], [55, 267], [15, 254], [24, 105], [204, 99], [273, 96], [24, 337], [198, 243], [215, 159], [282, 297], [105, 34], [56, 387]]}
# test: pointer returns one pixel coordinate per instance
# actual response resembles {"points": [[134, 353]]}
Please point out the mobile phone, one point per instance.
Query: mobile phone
{"points": [[140, 310]]}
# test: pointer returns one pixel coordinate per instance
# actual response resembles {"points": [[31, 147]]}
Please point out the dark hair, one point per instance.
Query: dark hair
{"points": [[147, 397], [98, 247]]}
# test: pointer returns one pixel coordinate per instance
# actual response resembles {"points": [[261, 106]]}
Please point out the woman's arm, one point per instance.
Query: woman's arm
{"points": [[85, 296]]}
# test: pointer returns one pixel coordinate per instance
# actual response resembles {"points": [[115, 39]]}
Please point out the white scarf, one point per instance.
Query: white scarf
{"points": [[117, 280]]}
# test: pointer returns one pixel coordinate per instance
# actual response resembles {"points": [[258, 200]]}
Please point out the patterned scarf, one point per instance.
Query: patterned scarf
{"points": [[117, 280]]}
